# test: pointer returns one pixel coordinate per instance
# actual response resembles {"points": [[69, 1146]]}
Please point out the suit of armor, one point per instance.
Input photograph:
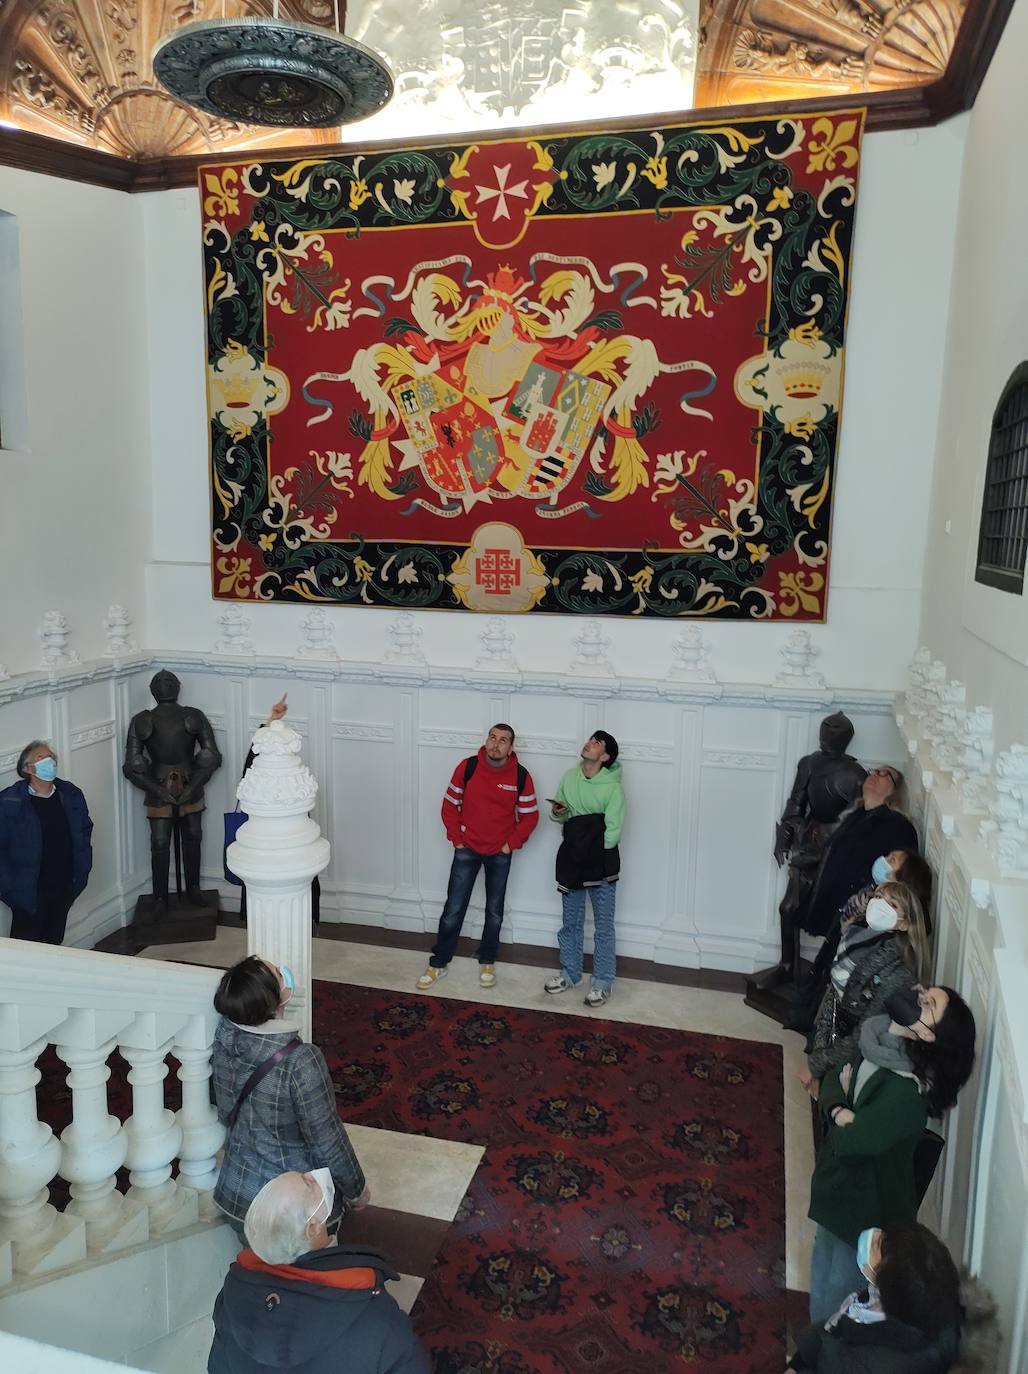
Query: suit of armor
{"points": [[171, 754], [827, 783]]}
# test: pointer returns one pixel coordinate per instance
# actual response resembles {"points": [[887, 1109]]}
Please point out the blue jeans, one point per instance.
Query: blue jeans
{"points": [[572, 933], [834, 1275], [463, 872]]}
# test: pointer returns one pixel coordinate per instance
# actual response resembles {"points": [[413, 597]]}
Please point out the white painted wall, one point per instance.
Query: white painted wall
{"points": [[85, 713], [160, 1319], [979, 1197], [32, 1357], [980, 633], [74, 515], [898, 312], [706, 774]]}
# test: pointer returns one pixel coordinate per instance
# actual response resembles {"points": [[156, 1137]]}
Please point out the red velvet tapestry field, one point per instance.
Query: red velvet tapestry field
{"points": [[628, 1216]]}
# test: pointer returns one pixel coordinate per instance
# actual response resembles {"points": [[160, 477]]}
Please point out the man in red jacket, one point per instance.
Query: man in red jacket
{"points": [[489, 810]]}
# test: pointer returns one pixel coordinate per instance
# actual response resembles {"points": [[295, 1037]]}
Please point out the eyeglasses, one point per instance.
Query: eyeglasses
{"points": [[887, 773]]}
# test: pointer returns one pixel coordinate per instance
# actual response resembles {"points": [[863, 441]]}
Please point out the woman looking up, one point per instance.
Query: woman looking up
{"points": [[911, 1063], [274, 1093], [885, 952]]}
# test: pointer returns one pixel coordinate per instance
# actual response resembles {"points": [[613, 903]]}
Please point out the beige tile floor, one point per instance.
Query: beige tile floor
{"points": [[655, 1004]]}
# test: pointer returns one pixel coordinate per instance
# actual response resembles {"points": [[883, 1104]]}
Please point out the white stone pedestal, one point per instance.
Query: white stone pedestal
{"points": [[278, 852]]}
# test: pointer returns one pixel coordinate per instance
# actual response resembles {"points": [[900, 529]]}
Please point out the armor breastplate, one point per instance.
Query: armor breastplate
{"points": [[833, 785]]}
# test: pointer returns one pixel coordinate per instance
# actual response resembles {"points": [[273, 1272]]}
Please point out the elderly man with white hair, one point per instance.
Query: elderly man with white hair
{"points": [[294, 1300]]}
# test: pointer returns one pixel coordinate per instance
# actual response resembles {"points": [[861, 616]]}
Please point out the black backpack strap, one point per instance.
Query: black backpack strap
{"points": [[472, 763], [259, 1072]]}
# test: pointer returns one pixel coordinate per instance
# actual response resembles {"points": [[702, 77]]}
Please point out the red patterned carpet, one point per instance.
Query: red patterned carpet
{"points": [[629, 1213], [628, 1216]]}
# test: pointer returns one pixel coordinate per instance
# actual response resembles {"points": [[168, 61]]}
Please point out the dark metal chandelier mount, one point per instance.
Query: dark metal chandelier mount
{"points": [[266, 70]]}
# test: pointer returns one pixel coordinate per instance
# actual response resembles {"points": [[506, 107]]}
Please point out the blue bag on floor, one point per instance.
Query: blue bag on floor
{"points": [[233, 820]]}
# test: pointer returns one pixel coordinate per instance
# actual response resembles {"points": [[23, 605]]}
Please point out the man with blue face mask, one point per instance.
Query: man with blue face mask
{"points": [[294, 1300], [46, 851]]}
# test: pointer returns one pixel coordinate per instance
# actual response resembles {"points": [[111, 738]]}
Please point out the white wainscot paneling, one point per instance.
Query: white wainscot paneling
{"points": [[736, 879], [973, 982], [704, 782], [1000, 1253], [952, 895]]}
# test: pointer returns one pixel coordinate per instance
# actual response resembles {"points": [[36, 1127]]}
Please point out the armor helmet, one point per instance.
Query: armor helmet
{"points": [[164, 686], [836, 733]]}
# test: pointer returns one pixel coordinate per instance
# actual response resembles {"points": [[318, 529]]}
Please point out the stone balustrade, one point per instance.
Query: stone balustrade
{"points": [[87, 1006]]}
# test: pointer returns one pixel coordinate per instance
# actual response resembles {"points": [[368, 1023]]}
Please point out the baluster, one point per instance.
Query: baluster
{"points": [[202, 1133], [41, 1238], [94, 1146], [155, 1138]]}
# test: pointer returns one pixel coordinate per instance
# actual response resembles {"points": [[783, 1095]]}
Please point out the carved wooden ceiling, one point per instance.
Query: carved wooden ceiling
{"points": [[755, 50], [79, 71]]}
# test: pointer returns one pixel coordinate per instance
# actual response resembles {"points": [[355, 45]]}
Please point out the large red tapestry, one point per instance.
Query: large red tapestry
{"points": [[594, 373]]}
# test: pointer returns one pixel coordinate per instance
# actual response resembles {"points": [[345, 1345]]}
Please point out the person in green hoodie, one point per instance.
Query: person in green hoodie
{"points": [[590, 805]]}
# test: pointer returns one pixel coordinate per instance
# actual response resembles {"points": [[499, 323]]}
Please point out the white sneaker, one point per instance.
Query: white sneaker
{"points": [[558, 983], [430, 977], [596, 997]]}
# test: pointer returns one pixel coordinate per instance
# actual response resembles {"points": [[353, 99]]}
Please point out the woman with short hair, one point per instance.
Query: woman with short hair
{"points": [[274, 1093], [911, 1063]]}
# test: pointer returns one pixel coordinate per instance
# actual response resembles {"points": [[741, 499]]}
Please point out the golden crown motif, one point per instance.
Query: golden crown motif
{"points": [[236, 388], [804, 380]]}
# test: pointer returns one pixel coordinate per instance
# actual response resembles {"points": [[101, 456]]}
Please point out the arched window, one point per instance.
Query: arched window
{"points": [[1003, 533]]}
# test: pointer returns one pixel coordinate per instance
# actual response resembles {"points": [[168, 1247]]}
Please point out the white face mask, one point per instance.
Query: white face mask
{"points": [[323, 1178], [880, 915]]}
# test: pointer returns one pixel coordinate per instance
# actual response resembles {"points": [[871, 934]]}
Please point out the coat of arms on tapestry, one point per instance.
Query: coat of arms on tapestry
{"points": [[596, 373]]}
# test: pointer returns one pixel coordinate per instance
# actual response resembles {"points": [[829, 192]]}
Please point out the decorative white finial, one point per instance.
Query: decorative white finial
{"points": [[278, 777], [235, 632], [317, 636], [118, 625], [405, 634], [942, 697], [797, 655], [917, 677], [974, 764], [497, 642], [1006, 831], [591, 657], [949, 726], [692, 657], [54, 633]]}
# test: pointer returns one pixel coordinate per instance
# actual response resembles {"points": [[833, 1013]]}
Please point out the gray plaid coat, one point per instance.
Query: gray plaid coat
{"points": [[289, 1121], [877, 973]]}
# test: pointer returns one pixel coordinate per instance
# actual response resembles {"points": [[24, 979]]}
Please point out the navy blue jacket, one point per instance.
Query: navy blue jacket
{"points": [[298, 1318], [21, 843]]}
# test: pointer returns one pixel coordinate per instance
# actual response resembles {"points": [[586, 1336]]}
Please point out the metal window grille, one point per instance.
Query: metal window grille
{"points": [[1003, 533]]}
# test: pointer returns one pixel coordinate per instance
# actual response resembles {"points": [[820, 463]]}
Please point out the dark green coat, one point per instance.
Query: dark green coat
{"points": [[864, 1175]]}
